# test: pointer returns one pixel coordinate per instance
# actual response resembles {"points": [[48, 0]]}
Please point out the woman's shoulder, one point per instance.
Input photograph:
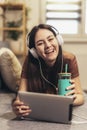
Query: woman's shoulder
{"points": [[68, 55]]}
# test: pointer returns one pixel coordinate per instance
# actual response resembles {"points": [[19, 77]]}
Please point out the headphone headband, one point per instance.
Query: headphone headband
{"points": [[58, 36]]}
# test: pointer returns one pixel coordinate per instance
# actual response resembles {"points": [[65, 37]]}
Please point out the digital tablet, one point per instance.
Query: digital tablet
{"points": [[48, 107]]}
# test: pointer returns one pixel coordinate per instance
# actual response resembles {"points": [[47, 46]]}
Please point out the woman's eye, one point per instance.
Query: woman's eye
{"points": [[51, 39], [39, 43]]}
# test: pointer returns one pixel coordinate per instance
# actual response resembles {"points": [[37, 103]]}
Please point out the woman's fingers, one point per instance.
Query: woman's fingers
{"points": [[20, 109], [27, 112], [71, 92], [23, 111], [71, 87], [16, 105]]}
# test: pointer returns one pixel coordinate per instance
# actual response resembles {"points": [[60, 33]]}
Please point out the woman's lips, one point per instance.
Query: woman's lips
{"points": [[49, 51]]}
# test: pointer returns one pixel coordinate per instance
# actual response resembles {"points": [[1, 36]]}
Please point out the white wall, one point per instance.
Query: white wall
{"points": [[34, 13]]}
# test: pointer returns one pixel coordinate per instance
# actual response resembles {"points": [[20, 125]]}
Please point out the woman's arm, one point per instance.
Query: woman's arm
{"points": [[76, 91], [23, 84], [19, 108]]}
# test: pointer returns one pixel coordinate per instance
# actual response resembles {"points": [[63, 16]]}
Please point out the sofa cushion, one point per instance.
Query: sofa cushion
{"points": [[10, 68]]}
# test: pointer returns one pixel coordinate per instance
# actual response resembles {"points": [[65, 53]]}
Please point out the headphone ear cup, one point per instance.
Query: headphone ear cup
{"points": [[60, 39], [34, 52]]}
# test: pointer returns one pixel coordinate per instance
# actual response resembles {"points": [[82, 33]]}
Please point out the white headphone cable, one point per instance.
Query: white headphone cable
{"points": [[43, 75]]}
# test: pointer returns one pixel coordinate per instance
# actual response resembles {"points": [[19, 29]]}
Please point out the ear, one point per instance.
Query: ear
{"points": [[34, 52], [60, 39]]}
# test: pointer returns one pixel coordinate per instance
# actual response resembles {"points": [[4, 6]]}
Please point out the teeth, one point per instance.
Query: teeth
{"points": [[49, 51]]}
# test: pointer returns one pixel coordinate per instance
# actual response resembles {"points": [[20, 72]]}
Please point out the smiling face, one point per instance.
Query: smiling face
{"points": [[47, 46]]}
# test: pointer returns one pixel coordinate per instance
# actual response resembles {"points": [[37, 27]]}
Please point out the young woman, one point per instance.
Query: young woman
{"points": [[42, 65]]}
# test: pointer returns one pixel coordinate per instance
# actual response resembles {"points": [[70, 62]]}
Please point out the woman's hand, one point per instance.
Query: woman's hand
{"points": [[20, 109], [72, 89], [76, 91]]}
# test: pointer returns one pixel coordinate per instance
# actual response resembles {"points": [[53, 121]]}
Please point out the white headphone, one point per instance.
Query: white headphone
{"points": [[60, 39]]}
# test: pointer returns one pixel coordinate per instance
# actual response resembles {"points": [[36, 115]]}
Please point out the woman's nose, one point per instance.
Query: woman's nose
{"points": [[47, 44]]}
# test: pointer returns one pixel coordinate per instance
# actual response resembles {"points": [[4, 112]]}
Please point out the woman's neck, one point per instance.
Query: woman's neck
{"points": [[50, 63]]}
